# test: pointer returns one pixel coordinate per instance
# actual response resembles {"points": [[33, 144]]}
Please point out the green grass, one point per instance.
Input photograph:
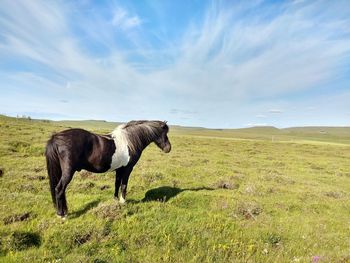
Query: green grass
{"points": [[219, 196]]}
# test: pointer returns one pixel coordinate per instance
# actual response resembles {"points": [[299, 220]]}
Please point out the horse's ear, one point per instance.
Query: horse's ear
{"points": [[165, 126]]}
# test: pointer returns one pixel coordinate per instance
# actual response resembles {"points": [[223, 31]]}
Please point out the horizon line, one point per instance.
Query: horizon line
{"points": [[23, 116]]}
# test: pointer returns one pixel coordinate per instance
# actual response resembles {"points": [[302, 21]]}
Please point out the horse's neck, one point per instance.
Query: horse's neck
{"points": [[145, 141]]}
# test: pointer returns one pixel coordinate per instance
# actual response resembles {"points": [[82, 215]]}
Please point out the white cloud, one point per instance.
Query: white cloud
{"points": [[275, 111], [123, 20], [256, 124]]}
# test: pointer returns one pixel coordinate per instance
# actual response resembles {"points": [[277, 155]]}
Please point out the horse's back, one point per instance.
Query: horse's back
{"points": [[74, 132], [72, 137], [84, 149], [72, 144]]}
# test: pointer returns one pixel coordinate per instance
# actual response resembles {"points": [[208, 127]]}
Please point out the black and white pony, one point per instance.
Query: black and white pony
{"points": [[76, 149]]}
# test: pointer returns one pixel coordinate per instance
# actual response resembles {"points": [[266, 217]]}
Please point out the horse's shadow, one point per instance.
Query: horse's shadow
{"points": [[84, 209], [162, 194], [165, 193]]}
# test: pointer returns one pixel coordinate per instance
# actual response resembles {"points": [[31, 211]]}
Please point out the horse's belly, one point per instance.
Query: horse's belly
{"points": [[120, 157]]}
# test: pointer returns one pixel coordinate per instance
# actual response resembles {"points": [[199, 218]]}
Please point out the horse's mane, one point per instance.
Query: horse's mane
{"points": [[139, 133]]}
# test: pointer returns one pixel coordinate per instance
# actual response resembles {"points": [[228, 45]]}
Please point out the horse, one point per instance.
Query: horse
{"points": [[72, 150]]}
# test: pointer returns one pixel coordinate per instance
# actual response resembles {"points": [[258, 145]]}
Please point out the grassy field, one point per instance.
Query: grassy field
{"points": [[248, 195]]}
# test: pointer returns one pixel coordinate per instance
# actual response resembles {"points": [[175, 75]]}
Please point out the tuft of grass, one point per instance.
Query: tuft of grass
{"points": [[108, 210], [248, 210], [273, 239], [227, 184], [16, 218]]}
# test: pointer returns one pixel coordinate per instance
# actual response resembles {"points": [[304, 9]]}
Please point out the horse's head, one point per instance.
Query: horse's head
{"points": [[163, 141]]}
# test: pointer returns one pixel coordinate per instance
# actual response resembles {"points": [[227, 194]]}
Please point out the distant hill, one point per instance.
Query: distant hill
{"points": [[256, 129], [320, 130], [340, 135]]}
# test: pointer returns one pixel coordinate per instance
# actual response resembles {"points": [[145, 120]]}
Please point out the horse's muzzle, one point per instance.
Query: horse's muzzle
{"points": [[167, 148]]}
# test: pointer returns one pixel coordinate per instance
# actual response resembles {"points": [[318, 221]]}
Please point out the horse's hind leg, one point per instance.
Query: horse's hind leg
{"points": [[67, 175], [64, 203]]}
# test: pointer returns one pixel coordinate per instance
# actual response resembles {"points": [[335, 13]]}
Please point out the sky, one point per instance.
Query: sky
{"points": [[215, 64]]}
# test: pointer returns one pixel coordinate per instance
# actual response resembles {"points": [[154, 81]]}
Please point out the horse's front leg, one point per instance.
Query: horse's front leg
{"points": [[124, 174], [118, 181], [122, 199]]}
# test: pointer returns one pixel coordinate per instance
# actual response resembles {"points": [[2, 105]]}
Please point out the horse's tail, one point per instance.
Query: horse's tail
{"points": [[53, 167]]}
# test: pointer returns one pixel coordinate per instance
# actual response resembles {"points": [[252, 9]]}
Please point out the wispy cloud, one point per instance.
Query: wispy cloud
{"points": [[275, 111], [122, 19]]}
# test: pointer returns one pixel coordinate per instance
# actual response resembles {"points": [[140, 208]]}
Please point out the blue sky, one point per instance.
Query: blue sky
{"points": [[218, 64]]}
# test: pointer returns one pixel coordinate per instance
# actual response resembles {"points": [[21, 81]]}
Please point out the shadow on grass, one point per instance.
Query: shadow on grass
{"points": [[161, 194], [164, 193], [84, 209], [23, 240]]}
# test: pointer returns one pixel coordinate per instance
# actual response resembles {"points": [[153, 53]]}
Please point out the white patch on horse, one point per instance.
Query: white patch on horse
{"points": [[121, 155]]}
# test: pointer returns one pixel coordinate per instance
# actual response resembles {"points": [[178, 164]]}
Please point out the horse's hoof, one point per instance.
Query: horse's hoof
{"points": [[122, 200], [63, 218]]}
